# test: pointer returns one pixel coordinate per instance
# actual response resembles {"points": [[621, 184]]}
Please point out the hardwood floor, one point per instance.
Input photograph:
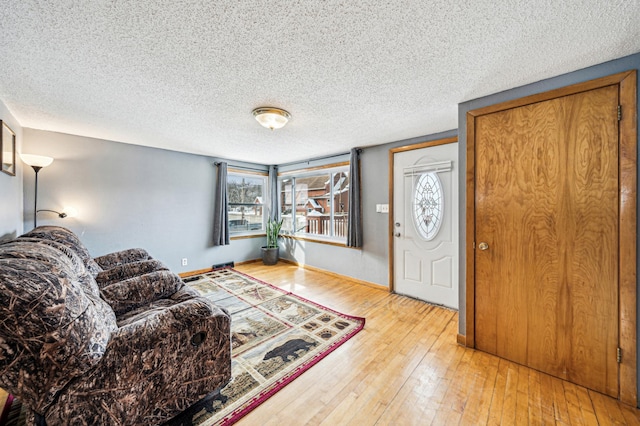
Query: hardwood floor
{"points": [[3, 400], [405, 368]]}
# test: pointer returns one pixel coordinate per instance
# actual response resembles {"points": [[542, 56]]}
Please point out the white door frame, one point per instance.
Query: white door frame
{"points": [[392, 153]]}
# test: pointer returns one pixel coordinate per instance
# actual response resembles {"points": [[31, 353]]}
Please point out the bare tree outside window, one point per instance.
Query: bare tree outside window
{"points": [[246, 202]]}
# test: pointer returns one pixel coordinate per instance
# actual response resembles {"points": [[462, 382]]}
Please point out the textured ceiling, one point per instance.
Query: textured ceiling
{"points": [[185, 75]]}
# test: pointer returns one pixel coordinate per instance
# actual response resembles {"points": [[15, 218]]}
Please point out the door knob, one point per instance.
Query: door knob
{"points": [[483, 246]]}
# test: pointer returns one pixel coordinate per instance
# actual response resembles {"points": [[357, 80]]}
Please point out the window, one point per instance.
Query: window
{"points": [[246, 202], [315, 203]]}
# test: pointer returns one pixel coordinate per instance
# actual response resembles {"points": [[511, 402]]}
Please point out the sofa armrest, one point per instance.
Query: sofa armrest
{"points": [[121, 257], [151, 329], [128, 270], [163, 362], [132, 293], [191, 335], [185, 293]]}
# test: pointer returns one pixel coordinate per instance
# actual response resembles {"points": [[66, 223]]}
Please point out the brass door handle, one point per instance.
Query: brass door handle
{"points": [[483, 246]]}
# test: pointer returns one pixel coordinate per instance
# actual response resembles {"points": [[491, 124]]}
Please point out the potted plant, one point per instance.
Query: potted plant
{"points": [[271, 252]]}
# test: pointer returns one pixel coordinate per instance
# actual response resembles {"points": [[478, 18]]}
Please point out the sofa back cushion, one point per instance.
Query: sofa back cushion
{"points": [[52, 329], [69, 239], [67, 256]]}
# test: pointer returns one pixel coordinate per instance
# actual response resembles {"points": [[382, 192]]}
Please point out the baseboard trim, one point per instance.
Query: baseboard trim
{"points": [[204, 271], [197, 272], [461, 339], [299, 265], [246, 262], [336, 275]]}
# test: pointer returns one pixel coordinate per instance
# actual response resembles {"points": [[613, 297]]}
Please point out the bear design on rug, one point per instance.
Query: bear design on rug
{"points": [[289, 348]]}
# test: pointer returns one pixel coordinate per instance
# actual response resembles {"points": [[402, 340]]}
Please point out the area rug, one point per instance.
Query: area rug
{"points": [[276, 336]]}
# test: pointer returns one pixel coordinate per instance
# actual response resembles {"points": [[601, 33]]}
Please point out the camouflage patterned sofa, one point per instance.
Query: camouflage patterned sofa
{"points": [[135, 351]]}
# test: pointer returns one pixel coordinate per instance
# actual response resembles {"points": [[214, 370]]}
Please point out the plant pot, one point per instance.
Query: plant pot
{"points": [[270, 255]]}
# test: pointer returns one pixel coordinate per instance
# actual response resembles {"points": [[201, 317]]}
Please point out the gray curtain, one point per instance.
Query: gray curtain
{"points": [[274, 208], [354, 217], [221, 208]]}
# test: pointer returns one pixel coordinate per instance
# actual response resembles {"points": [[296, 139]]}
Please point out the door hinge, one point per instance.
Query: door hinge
{"points": [[619, 355], [619, 112]]}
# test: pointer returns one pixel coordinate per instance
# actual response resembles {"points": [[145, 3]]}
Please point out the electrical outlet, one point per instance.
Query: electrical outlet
{"points": [[184, 261]]}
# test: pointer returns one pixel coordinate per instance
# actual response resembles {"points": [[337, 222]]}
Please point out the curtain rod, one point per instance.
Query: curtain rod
{"points": [[231, 166], [320, 158], [291, 163]]}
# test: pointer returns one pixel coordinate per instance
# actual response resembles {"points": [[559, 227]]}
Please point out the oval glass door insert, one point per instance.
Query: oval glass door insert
{"points": [[428, 205]]}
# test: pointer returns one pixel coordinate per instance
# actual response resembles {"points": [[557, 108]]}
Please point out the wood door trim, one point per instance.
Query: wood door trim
{"points": [[628, 137], [392, 152], [552, 94]]}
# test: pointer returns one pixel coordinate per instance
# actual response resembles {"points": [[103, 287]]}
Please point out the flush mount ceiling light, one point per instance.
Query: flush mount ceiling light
{"points": [[271, 118]]}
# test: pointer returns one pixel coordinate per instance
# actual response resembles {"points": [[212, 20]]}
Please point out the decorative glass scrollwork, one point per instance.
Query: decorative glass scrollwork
{"points": [[428, 205]]}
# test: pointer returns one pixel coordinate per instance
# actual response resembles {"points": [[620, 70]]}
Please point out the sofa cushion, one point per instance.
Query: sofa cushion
{"points": [[69, 239], [53, 330], [67, 255], [128, 270], [122, 257], [133, 293]]}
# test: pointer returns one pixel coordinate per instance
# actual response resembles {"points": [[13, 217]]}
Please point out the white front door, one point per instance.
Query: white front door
{"points": [[425, 224]]}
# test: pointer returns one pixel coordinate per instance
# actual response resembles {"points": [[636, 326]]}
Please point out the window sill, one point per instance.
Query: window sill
{"points": [[242, 236], [319, 240], [311, 239]]}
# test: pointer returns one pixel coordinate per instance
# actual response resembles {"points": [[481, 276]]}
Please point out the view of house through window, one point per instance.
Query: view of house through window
{"points": [[316, 204], [246, 202]]}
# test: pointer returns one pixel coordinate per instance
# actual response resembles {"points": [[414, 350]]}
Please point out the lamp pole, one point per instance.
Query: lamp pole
{"points": [[35, 198]]}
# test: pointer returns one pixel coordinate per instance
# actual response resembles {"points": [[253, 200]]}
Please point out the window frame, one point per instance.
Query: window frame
{"points": [[264, 206], [330, 170]]}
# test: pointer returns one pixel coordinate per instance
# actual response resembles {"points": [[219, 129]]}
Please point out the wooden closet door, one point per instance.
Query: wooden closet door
{"points": [[546, 283]]}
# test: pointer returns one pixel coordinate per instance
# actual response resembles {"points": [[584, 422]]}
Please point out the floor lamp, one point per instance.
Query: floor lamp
{"points": [[37, 162]]}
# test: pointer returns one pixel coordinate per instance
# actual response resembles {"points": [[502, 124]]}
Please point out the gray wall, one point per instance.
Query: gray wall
{"points": [[130, 196], [602, 70], [11, 186], [371, 263], [134, 196]]}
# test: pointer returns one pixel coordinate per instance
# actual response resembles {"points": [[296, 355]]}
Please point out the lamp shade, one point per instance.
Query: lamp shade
{"points": [[36, 160], [271, 118]]}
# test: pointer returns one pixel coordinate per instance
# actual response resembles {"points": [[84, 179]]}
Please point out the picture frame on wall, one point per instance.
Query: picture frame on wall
{"points": [[7, 149]]}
